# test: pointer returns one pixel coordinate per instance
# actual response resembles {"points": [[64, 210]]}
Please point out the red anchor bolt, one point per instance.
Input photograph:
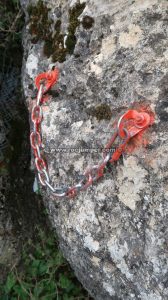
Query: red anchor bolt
{"points": [[48, 79]]}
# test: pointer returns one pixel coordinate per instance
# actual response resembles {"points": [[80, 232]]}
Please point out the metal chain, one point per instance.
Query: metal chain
{"points": [[89, 176], [95, 172]]}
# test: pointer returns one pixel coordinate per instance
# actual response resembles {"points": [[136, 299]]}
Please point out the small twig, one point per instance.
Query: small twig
{"points": [[28, 293], [9, 31], [19, 14], [12, 27], [6, 30]]}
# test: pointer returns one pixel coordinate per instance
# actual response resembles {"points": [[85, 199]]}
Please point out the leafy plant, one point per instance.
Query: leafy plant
{"points": [[43, 274]]}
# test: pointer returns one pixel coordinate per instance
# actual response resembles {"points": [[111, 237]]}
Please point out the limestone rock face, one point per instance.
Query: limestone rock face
{"points": [[115, 234]]}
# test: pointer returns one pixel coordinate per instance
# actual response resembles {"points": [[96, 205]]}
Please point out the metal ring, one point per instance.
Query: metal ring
{"points": [[55, 190], [33, 135], [37, 109], [38, 162], [119, 121], [38, 152], [78, 186], [126, 133], [60, 191], [94, 168], [72, 192], [88, 182], [44, 181], [59, 195], [107, 158], [50, 186]]}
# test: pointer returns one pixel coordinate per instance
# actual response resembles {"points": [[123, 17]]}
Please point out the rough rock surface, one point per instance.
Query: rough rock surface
{"points": [[115, 234]]}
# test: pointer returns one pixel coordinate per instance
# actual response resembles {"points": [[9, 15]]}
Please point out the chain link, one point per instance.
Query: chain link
{"points": [[44, 177], [37, 114], [40, 94], [35, 139], [40, 164]]}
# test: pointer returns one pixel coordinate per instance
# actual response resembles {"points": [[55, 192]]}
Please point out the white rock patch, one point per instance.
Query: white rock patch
{"points": [[32, 65], [131, 180], [131, 38], [109, 288], [91, 244], [117, 253]]}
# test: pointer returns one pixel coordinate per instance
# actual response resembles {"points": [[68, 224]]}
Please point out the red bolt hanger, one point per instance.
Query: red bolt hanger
{"points": [[129, 125], [48, 79]]}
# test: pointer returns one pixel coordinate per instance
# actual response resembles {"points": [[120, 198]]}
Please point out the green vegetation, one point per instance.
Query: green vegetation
{"points": [[41, 28], [43, 274], [87, 22], [74, 13], [40, 24], [59, 52], [101, 112]]}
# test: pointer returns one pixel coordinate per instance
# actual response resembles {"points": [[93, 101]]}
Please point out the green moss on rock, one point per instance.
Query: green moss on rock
{"points": [[101, 112], [59, 55], [87, 22], [48, 46], [70, 43], [58, 25], [39, 22], [74, 13], [59, 52], [40, 29]]}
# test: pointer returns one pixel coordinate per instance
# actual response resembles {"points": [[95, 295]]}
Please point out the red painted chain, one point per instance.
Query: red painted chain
{"points": [[129, 124]]}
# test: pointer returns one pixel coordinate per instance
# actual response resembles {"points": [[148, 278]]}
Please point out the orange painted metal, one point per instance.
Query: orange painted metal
{"points": [[48, 78]]}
